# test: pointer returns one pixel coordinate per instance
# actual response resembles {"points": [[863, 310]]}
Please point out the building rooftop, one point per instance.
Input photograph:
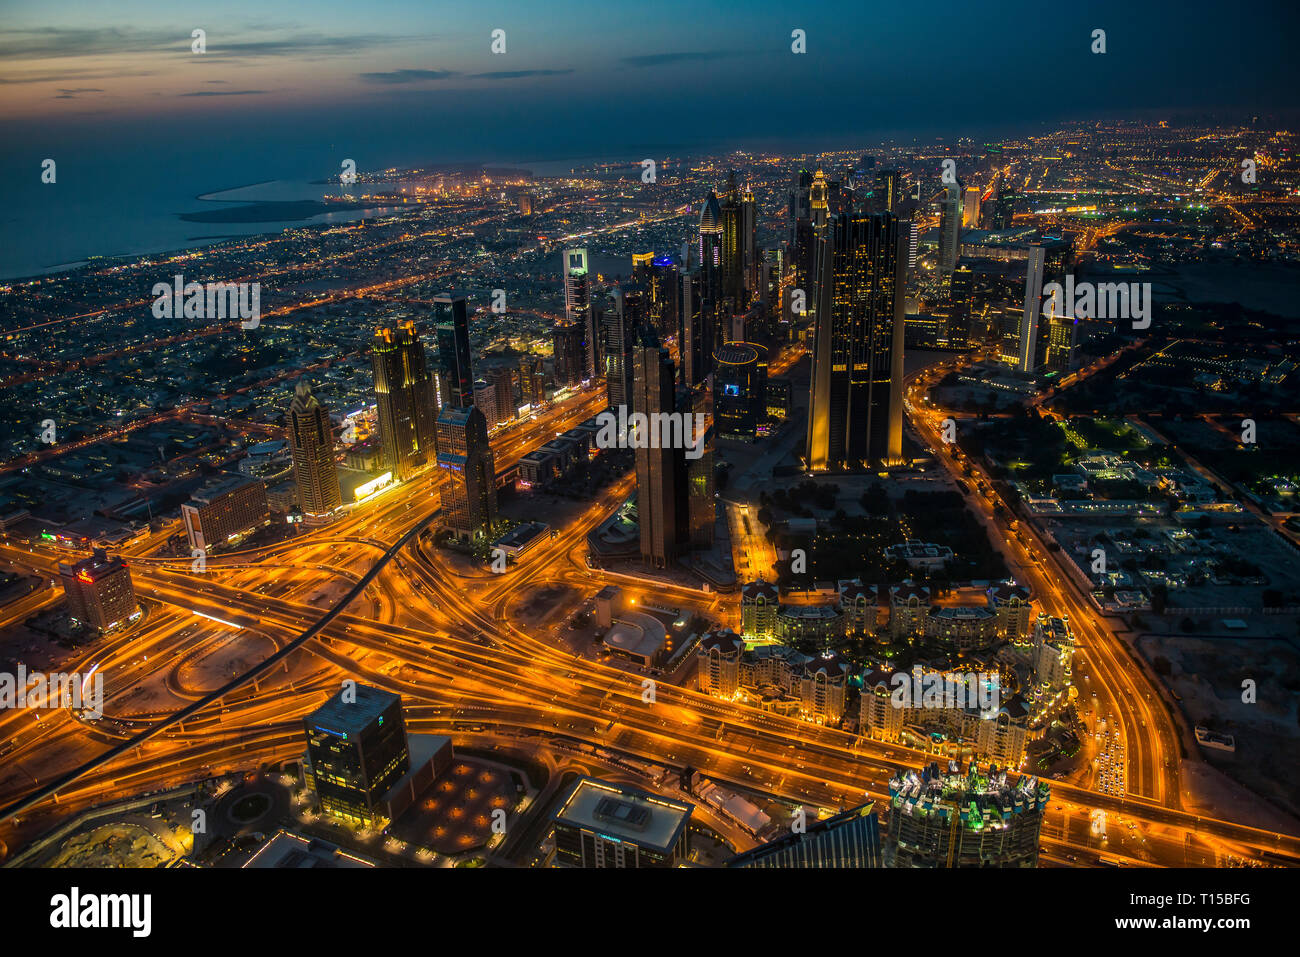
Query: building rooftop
{"points": [[222, 485], [343, 719], [623, 813], [288, 850], [638, 634]]}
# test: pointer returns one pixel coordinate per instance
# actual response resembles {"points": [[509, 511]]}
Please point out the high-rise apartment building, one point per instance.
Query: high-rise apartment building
{"points": [[733, 246], [694, 329], [749, 244], [502, 380], [664, 292], [311, 442], [485, 400], [1029, 324], [970, 209], [701, 507]]}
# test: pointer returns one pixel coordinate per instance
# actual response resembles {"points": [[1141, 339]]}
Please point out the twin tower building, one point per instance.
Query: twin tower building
{"points": [[425, 418]]}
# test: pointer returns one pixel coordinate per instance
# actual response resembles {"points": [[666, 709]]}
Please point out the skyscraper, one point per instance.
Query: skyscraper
{"points": [[569, 354], [856, 412], [950, 210], [693, 327], [532, 380], [1004, 209], [712, 279], [710, 245], [1029, 334], [733, 246], [404, 394], [701, 504], [885, 191], [469, 502], [739, 390], [577, 307], [485, 400], [749, 242], [502, 380], [311, 441], [657, 469], [455, 370], [970, 211], [665, 291], [619, 323]]}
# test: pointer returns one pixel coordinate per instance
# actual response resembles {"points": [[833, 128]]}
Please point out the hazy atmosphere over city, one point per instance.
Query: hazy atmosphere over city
{"points": [[676, 436]]}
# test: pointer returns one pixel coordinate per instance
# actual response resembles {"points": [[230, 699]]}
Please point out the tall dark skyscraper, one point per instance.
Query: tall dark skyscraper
{"points": [[800, 204], [665, 292], [569, 354], [578, 308], [469, 502], [701, 506], [749, 243], [712, 279], [733, 246], [311, 441], [618, 331], [950, 212], [856, 406], [709, 245], [694, 341], [1003, 215], [885, 191], [404, 393], [658, 471], [455, 370]]}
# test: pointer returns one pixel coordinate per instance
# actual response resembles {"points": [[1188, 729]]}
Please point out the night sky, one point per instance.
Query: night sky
{"points": [[583, 78]]}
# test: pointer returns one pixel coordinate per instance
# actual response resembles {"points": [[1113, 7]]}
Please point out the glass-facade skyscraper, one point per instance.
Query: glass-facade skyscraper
{"points": [[469, 500], [455, 369], [356, 751], [856, 406], [404, 394]]}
